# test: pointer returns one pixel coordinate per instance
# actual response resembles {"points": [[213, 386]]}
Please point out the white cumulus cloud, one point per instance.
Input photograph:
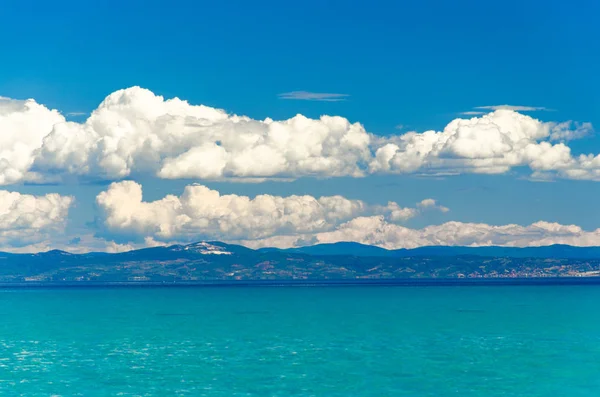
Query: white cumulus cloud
{"points": [[493, 144], [133, 131], [23, 126], [26, 219], [201, 213]]}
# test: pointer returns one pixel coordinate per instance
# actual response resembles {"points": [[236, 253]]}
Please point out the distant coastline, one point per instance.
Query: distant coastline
{"points": [[220, 264], [410, 282]]}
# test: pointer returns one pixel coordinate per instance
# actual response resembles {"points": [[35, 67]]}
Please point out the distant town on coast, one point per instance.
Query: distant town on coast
{"points": [[217, 262]]}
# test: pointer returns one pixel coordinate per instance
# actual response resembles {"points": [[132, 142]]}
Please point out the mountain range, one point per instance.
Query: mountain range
{"points": [[214, 261], [357, 249]]}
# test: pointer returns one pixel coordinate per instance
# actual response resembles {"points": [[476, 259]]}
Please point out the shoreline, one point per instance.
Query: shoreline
{"points": [[428, 282]]}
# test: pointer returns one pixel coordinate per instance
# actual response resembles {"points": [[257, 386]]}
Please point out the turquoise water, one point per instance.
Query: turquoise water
{"points": [[336, 341]]}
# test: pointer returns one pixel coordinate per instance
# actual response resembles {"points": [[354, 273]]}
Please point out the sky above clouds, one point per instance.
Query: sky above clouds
{"points": [[271, 124]]}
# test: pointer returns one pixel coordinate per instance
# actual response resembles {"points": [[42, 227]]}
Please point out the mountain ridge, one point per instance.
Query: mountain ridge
{"points": [[351, 248], [209, 261], [346, 248]]}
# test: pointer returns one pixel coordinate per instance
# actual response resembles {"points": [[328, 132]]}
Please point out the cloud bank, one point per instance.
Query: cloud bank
{"points": [[32, 223], [376, 230], [134, 131], [203, 213]]}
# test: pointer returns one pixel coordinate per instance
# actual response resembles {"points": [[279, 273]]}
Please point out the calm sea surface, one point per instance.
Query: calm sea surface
{"points": [[322, 341]]}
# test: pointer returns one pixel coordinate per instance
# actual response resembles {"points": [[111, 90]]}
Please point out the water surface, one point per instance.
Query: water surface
{"points": [[295, 341]]}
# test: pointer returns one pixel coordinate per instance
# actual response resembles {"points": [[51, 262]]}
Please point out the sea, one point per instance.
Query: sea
{"points": [[467, 341]]}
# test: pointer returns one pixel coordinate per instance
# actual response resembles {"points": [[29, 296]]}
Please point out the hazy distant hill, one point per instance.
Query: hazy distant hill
{"points": [[552, 251], [216, 261], [344, 248]]}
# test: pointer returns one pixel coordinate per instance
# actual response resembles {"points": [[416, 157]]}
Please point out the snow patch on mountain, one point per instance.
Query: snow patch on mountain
{"points": [[205, 248]]}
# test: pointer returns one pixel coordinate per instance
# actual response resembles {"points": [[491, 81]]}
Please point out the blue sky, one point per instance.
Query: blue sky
{"points": [[414, 64]]}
